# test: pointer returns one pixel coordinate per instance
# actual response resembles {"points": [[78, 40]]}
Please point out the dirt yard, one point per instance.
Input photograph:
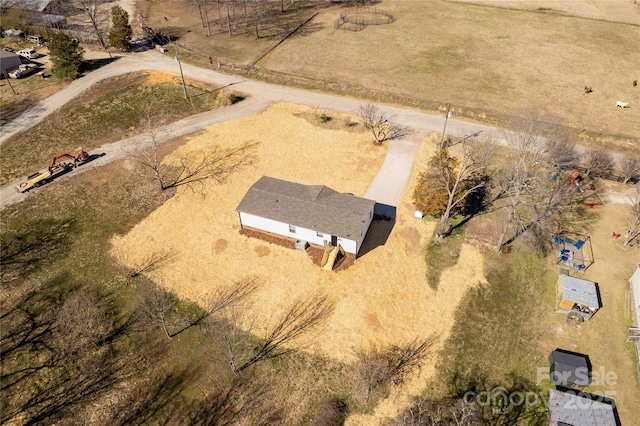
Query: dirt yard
{"points": [[382, 298]]}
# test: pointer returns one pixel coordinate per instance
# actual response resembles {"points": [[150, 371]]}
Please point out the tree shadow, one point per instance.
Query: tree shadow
{"points": [[237, 403], [155, 401], [94, 64], [477, 203], [12, 110], [45, 371], [23, 253]]}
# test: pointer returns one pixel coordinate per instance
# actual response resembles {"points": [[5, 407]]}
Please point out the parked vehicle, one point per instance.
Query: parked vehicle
{"points": [[54, 170], [22, 71], [29, 53], [37, 39]]}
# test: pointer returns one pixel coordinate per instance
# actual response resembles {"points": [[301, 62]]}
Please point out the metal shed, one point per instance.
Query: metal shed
{"points": [[578, 296], [574, 408]]}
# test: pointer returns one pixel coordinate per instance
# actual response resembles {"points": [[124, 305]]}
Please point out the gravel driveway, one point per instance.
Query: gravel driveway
{"points": [[386, 188]]}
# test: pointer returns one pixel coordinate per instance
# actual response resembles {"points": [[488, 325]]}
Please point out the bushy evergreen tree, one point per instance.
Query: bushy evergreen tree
{"points": [[120, 34], [66, 55]]}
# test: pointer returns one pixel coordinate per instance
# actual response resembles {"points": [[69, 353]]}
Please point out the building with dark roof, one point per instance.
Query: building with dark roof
{"points": [[569, 369], [313, 213], [8, 61]]}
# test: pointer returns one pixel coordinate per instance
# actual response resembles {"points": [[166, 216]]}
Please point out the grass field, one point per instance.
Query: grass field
{"points": [[481, 59], [62, 235], [491, 330], [101, 116]]}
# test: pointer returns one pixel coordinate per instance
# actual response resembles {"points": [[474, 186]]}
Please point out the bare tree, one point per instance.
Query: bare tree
{"points": [[81, 323], [561, 148], [535, 199], [381, 125], [257, 15], [630, 168], [426, 412], [216, 165], [392, 364], [204, 15], [634, 222], [598, 162], [98, 18], [460, 176], [526, 166], [157, 303], [219, 4], [302, 316]]}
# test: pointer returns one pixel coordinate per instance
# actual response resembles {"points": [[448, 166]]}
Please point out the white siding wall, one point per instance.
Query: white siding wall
{"points": [[309, 235], [281, 228]]}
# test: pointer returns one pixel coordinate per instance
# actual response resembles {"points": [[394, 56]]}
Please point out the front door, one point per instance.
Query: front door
{"points": [[334, 240]]}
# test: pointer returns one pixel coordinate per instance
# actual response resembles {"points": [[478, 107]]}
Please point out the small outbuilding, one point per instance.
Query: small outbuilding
{"points": [[578, 297], [574, 408], [8, 61], [569, 369], [313, 213]]}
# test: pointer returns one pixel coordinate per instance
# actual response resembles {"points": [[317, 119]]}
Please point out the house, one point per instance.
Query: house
{"points": [[578, 297], [310, 213], [569, 369], [633, 335], [573, 408], [8, 61]]}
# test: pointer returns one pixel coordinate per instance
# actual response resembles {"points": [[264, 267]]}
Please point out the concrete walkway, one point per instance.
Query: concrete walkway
{"points": [[388, 185]]}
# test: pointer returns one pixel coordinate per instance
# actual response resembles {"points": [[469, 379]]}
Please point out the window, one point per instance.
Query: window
{"points": [[319, 234], [292, 229]]}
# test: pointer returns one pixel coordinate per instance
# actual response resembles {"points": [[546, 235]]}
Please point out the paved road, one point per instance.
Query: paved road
{"points": [[387, 187]]}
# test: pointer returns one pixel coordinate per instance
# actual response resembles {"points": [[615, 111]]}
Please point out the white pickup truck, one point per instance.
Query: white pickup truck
{"points": [[22, 71]]}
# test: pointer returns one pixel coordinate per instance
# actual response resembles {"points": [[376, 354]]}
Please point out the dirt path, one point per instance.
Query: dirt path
{"points": [[115, 151]]}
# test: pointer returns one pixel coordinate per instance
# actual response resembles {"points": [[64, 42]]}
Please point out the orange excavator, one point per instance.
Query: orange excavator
{"points": [[55, 169]]}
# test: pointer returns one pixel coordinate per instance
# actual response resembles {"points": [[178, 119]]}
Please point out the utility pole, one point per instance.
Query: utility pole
{"points": [[184, 87], [449, 114], [6, 77]]}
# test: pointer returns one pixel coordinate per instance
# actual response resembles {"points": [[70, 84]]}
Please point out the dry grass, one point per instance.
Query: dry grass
{"points": [[492, 59], [383, 298], [607, 10], [496, 60]]}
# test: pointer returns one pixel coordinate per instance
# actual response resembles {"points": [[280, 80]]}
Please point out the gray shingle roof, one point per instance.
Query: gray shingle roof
{"points": [[580, 291], [315, 207]]}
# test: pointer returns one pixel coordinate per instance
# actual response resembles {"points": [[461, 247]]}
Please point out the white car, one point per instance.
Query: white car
{"points": [[29, 53]]}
